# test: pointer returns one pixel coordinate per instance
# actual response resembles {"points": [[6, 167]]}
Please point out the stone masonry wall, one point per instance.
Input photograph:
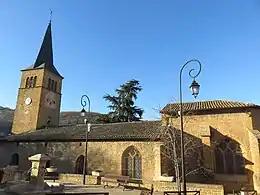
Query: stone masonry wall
{"points": [[104, 156], [255, 115], [236, 126], [25, 116], [35, 115], [78, 179], [52, 111], [204, 189]]}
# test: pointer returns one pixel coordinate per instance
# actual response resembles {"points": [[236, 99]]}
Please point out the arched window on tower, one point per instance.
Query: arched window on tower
{"points": [[52, 84], [27, 82], [34, 81], [55, 86], [132, 163], [49, 84], [31, 82], [229, 158]]}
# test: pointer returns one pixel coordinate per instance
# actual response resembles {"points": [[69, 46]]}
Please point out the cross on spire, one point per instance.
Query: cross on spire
{"points": [[50, 15]]}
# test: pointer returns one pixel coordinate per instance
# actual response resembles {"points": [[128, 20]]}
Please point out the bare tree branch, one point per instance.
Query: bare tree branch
{"points": [[193, 151]]}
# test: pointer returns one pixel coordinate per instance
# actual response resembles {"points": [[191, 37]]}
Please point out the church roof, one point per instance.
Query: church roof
{"points": [[45, 55], [128, 131], [212, 105]]}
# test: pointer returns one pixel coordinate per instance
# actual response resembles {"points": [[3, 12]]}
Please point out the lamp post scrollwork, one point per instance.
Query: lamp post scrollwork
{"points": [[83, 114], [195, 91]]}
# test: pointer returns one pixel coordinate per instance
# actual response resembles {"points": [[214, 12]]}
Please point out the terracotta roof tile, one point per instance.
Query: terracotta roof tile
{"points": [[114, 131], [206, 105]]}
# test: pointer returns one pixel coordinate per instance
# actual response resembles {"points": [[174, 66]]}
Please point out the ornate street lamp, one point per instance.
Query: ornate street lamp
{"points": [[195, 88], [83, 114], [195, 91]]}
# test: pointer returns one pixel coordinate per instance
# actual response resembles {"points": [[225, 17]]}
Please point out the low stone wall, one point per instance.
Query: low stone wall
{"points": [[205, 189], [159, 186], [78, 179]]}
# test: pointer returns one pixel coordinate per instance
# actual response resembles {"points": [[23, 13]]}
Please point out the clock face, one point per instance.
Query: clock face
{"points": [[28, 101], [50, 100]]}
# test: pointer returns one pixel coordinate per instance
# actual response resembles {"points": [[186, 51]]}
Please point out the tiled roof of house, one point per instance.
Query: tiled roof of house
{"points": [[206, 105], [144, 130]]}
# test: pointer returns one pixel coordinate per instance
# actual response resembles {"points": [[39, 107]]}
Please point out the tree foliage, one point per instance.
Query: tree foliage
{"points": [[122, 105]]}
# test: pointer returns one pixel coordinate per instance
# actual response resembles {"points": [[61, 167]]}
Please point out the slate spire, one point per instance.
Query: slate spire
{"points": [[45, 55]]}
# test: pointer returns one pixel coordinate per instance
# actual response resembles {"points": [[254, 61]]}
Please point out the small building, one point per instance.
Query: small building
{"points": [[230, 135]]}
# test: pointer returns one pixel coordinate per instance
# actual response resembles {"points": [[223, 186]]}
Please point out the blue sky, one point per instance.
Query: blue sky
{"points": [[100, 44]]}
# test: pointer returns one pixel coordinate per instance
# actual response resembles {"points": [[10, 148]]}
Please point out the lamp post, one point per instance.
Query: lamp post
{"points": [[83, 114], [195, 91]]}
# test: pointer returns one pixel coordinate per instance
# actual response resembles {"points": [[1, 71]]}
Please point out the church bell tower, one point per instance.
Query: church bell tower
{"points": [[39, 95]]}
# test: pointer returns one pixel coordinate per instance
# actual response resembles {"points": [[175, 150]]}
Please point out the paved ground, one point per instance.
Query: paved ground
{"points": [[81, 189], [112, 191]]}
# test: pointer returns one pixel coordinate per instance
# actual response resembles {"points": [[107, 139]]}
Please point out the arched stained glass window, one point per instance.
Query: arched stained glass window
{"points": [[132, 163], [228, 158]]}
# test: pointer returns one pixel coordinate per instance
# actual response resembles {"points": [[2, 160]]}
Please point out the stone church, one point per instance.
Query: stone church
{"points": [[227, 133]]}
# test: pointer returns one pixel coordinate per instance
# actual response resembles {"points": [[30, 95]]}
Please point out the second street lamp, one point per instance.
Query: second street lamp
{"points": [[195, 91], [83, 114]]}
